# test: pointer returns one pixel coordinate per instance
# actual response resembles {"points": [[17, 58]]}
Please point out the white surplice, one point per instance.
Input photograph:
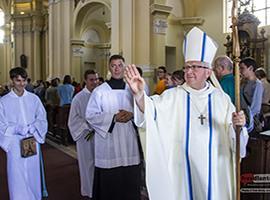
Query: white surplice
{"points": [[186, 159], [24, 180], [79, 128], [118, 148]]}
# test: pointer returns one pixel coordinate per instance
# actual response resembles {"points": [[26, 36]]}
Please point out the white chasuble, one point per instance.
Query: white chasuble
{"points": [[24, 174], [190, 144], [115, 145], [79, 128]]}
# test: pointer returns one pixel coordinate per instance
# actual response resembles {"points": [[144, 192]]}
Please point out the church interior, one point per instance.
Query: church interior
{"points": [[67, 37], [54, 38]]}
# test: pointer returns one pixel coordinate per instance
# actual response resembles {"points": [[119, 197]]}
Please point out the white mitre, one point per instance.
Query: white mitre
{"points": [[199, 47]]}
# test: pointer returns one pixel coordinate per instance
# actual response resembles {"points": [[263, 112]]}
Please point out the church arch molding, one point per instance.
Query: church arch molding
{"points": [[82, 9]]}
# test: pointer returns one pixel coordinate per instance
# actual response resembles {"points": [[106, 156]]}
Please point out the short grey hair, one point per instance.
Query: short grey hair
{"points": [[224, 61]]}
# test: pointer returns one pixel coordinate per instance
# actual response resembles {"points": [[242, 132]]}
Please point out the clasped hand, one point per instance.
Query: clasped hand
{"points": [[123, 116], [24, 130]]}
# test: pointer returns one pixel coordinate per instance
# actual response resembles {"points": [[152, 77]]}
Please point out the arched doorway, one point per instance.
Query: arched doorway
{"points": [[92, 35]]}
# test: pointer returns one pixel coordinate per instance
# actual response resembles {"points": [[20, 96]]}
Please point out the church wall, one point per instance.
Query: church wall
{"points": [[142, 30], [174, 38], [212, 13], [175, 33], [142, 33], [115, 24], [127, 29], [3, 71], [178, 9]]}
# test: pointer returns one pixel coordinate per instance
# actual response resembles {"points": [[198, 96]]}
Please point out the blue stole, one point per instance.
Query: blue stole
{"points": [[209, 149], [42, 175]]}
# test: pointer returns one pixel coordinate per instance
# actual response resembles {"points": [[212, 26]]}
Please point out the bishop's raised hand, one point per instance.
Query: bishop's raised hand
{"points": [[134, 80]]}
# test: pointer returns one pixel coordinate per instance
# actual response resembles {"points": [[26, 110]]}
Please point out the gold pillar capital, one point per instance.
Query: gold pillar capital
{"points": [[160, 10]]}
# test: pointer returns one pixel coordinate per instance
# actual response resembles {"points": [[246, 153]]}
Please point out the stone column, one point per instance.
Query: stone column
{"points": [[104, 49], [18, 44], [115, 23], [45, 45], [77, 53], [7, 53], [159, 25], [51, 39], [37, 47], [60, 19], [23, 41], [127, 30]]}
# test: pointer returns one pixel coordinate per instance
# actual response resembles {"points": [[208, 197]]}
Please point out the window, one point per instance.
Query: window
{"points": [[260, 8], [2, 23]]}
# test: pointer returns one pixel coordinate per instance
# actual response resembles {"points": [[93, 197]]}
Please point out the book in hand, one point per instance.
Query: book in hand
{"points": [[28, 147]]}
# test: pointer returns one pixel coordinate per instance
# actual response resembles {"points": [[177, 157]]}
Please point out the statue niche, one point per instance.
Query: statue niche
{"points": [[244, 41], [252, 43]]}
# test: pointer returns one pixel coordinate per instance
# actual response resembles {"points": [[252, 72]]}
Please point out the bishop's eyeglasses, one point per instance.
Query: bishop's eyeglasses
{"points": [[194, 67]]}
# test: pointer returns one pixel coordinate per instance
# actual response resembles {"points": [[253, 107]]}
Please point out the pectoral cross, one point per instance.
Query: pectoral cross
{"points": [[202, 118]]}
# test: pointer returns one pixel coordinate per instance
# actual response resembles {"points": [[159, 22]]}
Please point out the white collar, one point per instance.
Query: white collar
{"points": [[13, 94], [204, 91], [86, 90]]}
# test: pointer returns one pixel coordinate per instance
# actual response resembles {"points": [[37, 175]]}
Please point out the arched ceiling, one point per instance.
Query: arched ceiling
{"points": [[97, 12]]}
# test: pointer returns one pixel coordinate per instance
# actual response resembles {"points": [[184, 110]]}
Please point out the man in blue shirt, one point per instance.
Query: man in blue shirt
{"points": [[223, 68], [251, 86], [66, 91]]}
